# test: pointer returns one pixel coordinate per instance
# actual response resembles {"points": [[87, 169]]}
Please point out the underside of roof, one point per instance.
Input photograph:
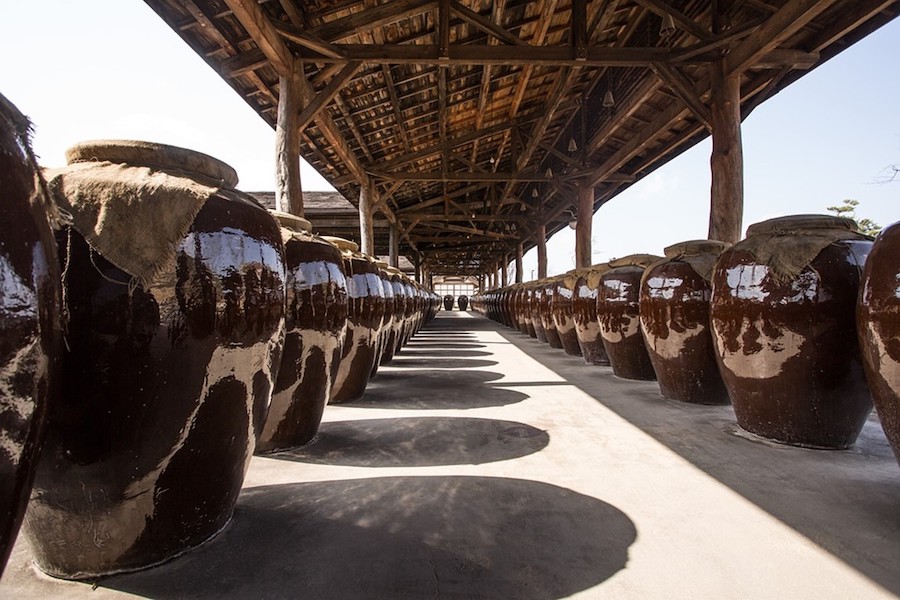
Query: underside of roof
{"points": [[477, 120]]}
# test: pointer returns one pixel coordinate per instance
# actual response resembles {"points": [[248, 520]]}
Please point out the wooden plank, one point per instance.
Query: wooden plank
{"points": [[486, 25], [371, 18], [433, 176], [321, 100], [242, 63], [310, 41], [579, 28], [681, 20], [683, 88], [789, 19]]}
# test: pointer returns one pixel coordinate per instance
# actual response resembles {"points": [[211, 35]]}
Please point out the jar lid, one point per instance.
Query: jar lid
{"points": [[694, 247], [381, 264], [793, 223], [292, 222], [635, 260], [394, 270], [341, 243], [151, 154]]}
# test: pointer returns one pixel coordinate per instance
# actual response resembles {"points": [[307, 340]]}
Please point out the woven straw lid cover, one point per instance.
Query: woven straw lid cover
{"points": [[635, 260], [381, 264], [394, 270], [292, 222], [151, 154], [694, 247], [792, 223], [341, 243]]}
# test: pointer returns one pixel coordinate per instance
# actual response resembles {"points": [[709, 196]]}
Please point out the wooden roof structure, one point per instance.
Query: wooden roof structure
{"points": [[473, 124]]}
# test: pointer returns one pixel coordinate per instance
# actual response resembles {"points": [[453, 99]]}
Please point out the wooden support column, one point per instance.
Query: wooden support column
{"points": [[519, 278], [394, 243], [366, 233], [504, 276], [418, 266], [583, 229], [726, 210], [542, 251], [288, 190]]}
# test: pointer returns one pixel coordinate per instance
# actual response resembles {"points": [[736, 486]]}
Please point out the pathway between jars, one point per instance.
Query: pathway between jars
{"points": [[484, 464]]}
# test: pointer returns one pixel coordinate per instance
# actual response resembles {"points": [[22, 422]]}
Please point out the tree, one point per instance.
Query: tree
{"points": [[848, 209]]}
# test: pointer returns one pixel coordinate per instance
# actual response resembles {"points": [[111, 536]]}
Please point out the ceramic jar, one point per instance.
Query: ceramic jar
{"points": [[537, 296], [675, 296], [878, 326], [169, 371], [584, 310], [364, 318], [315, 326], [546, 311], [402, 311], [448, 302], [391, 314], [618, 311], [463, 302], [30, 332], [562, 310], [784, 330]]}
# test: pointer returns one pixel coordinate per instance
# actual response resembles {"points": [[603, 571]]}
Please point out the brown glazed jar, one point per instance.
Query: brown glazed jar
{"points": [[546, 310], [521, 308], [527, 309], [878, 325], [784, 329], [537, 296], [448, 302], [402, 312], [584, 309], [675, 296], [168, 373], [385, 332], [30, 332], [562, 309], [366, 313], [315, 325], [463, 302], [618, 311]]}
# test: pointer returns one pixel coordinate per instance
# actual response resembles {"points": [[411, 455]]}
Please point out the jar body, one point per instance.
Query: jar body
{"points": [[386, 330], [448, 302], [587, 325], [30, 332], [788, 351], [618, 311], [165, 390], [546, 311], [561, 307], [878, 325], [463, 302], [674, 309], [537, 297], [315, 325]]}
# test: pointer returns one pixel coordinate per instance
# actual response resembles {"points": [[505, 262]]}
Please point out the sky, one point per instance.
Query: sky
{"points": [[100, 69]]}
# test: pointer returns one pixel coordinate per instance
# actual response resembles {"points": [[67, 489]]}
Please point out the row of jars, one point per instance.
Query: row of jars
{"points": [[787, 325], [157, 328]]}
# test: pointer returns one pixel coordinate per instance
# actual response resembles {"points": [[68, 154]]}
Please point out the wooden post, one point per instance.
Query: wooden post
{"points": [[418, 266], [394, 242], [726, 210], [504, 276], [519, 252], [583, 229], [542, 250], [288, 191], [366, 233]]}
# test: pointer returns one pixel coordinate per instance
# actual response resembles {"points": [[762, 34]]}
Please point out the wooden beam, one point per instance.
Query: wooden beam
{"points": [[583, 229], [310, 41], [242, 63], [486, 25], [465, 176], [683, 88], [541, 242], [440, 217], [789, 19], [726, 161], [366, 233], [371, 18], [321, 100], [519, 254], [288, 190], [681, 20], [263, 34], [394, 246]]}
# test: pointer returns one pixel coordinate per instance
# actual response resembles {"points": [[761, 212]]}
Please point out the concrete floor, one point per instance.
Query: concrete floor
{"points": [[484, 464]]}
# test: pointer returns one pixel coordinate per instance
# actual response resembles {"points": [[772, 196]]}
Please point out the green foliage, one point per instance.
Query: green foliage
{"points": [[848, 209]]}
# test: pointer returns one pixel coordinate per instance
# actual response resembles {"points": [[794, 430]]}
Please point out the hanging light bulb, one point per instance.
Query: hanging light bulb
{"points": [[573, 220], [549, 173], [608, 99], [573, 146], [667, 27], [534, 193]]}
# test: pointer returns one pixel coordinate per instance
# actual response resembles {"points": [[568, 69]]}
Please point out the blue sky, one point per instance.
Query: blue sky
{"points": [[112, 69]]}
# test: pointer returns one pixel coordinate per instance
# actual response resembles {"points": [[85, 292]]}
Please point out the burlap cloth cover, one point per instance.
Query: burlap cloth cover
{"points": [[133, 202], [593, 274], [701, 255], [787, 245], [293, 227], [634, 260]]}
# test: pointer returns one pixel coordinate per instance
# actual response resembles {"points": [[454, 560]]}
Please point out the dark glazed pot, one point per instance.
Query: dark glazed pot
{"points": [[783, 323], [521, 308], [562, 309], [675, 297], [463, 302], [584, 310], [402, 312], [315, 325], [537, 296], [386, 331], [618, 311], [30, 333], [546, 311], [878, 324], [366, 313], [166, 385], [448, 302]]}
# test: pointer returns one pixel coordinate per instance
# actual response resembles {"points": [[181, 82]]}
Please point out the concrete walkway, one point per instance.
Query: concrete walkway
{"points": [[484, 464]]}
